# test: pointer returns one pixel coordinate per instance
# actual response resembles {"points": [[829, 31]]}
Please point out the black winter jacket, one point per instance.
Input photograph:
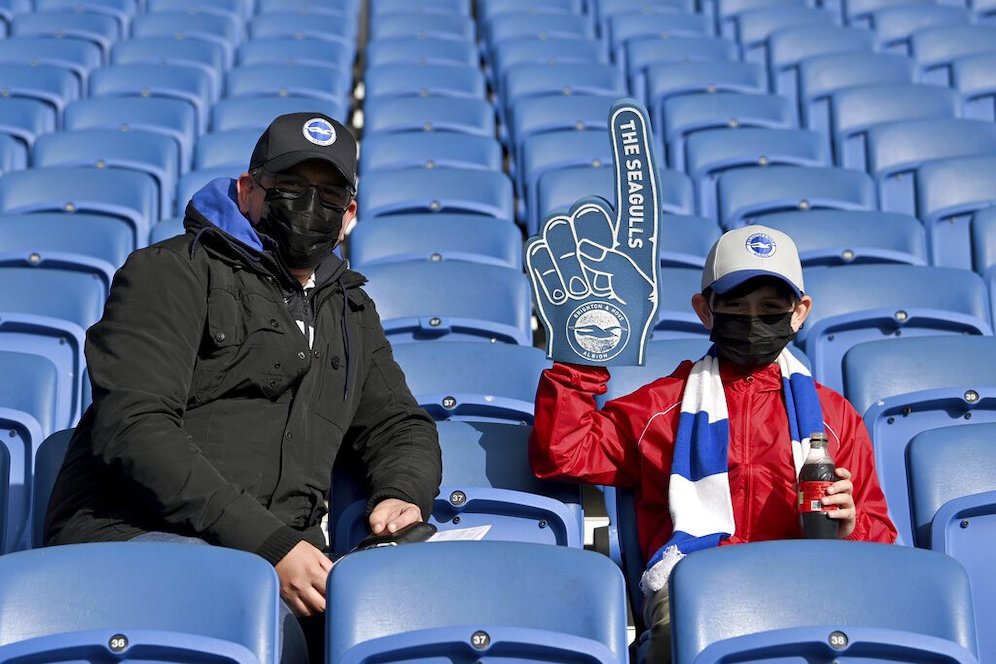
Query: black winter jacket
{"points": [[211, 415]]}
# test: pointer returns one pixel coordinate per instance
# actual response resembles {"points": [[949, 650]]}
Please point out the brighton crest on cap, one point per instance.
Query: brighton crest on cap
{"points": [[752, 251]]}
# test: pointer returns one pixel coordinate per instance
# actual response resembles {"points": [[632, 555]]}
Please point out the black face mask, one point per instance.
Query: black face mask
{"points": [[751, 341], [305, 230]]}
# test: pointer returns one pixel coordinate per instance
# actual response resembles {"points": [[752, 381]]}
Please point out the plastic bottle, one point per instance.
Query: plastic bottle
{"points": [[815, 478]]}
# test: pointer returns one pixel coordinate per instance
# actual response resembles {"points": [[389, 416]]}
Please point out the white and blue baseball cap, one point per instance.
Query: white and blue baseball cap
{"points": [[752, 251]]}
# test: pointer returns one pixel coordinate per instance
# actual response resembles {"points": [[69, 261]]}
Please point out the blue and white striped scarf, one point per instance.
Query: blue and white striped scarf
{"points": [[699, 493]]}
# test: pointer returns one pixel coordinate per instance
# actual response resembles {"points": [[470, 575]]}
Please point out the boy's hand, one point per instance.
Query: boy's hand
{"points": [[840, 494]]}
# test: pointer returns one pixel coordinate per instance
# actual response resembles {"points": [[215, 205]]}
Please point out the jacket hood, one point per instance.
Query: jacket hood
{"points": [[217, 203]]}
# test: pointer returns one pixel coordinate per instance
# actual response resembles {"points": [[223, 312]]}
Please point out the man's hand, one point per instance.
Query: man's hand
{"points": [[392, 515], [303, 573], [839, 494]]}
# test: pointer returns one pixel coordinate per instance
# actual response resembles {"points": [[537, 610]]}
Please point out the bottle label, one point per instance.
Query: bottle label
{"points": [[810, 493]]}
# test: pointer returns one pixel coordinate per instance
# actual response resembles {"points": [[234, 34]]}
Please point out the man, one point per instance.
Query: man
{"points": [[713, 450], [233, 363]]}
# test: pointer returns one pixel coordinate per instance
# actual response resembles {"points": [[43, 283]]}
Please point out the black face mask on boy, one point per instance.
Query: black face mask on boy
{"points": [[305, 229], [751, 341]]}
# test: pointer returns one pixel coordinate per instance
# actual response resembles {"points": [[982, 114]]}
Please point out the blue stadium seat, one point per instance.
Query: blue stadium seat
{"points": [[153, 154], [641, 54], [688, 114], [456, 27], [894, 26], [689, 239], [541, 51], [205, 56], [729, 11], [13, 154], [953, 495], [756, 26], [858, 303], [407, 80], [487, 481], [99, 244], [434, 237], [949, 192], [122, 11], [98, 29], [10, 8], [935, 49], [671, 80], [224, 30], [709, 154], [983, 231], [528, 80], [625, 28], [471, 381], [452, 300], [381, 7], [128, 196], [450, 611], [538, 115], [437, 190], [258, 112], [429, 150], [339, 9], [334, 55], [28, 407], [897, 149], [168, 117], [837, 237], [225, 149], [312, 25], [398, 114], [490, 8], [54, 86], [412, 50], [193, 181], [821, 76], [523, 25], [788, 48], [974, 77], [320, 84], [48, 460], [73, 55], [984, 11], [191, 85], [676, 319], [604, 10], [884, 617], [237, 9], [853, 111], [746, 195], [166, 229], [26, 119], [909, 385], [859, 12], [212, 603], [561, 188]]}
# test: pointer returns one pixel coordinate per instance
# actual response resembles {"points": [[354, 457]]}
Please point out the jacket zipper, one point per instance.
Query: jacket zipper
{"points": [[748, 473]]}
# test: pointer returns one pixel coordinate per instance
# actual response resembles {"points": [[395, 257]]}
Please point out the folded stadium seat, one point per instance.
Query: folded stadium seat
{"points": [[949, 192], [74, 55], [523, 25], [909, 385], [974, 77], [935, 49], [29, 401], [688, 114], [728, 13], [641, 54], [153, 154], [97, 29], [451, 300], [206, 56], [434, 237], [853, 111], [487, 482], [128, 196], [314, 25], [487, 12], [551, 151], [838, 237], [983, 230], [788, 48], [747, 195], [423, 26], [122, 11], [258, 112], [756, 26], [710, 154], [429, 150], [665, 81], [604, 10], [106, 242], [25, 119], [237, 9], [895, 25], [193, 181], [450, 611], [475, 117], [676, 319], [331, 54], [166, 228], [320, 84], [381, 7], [212, 603], [541, 51], [224, 149], [624, 28], [859, 12], [48, 459], [953, 498], [339, 8], [421, 52], [883, 618], [406, 80], [438, 190], [897, 149], [13, 154], [858, 303], [538, 115], [168, 117], [222, 29], [490, 8], [821, 76]]}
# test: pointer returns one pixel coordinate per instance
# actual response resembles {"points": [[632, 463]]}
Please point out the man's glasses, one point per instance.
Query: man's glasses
{"points": [[293, 186]]}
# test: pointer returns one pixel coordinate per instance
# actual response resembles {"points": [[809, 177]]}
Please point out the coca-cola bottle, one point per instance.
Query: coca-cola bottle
{"points": [[815, 478]]}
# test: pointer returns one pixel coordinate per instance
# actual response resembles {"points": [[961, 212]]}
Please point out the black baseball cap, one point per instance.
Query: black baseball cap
{"points": [[296, 137]]}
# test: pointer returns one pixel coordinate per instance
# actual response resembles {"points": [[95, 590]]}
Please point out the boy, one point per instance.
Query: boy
{"points": [[712, 450]]}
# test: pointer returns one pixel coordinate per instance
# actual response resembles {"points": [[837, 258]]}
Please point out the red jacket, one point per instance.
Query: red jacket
{"points": [[630, 442]]}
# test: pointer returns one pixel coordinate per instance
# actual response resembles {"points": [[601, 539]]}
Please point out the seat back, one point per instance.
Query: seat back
{"points": [[192, 85], [319, 83], [225, 30], [430, 150], [4, 495], [50, 84], [47, 462], [408, 191], [935, 49], [974, 77], [789, 47], [421, 51], [232, 148], [256, 113], [406, 80], [895, 25], [465, 116]]}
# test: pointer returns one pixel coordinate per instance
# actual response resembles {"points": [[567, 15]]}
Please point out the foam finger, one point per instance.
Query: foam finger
{"points": [[545, 274], [559, 237], [636, 175]]}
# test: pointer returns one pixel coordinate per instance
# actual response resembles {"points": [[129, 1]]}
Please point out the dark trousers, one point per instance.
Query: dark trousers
{"points": [[657, 616]]}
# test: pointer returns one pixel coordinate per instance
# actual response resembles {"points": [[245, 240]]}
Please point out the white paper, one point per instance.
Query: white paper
{"points": [[461, 534]]}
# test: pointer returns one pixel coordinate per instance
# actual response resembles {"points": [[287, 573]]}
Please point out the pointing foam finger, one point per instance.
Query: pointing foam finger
{"points": [[636, 175], [541, 266]]}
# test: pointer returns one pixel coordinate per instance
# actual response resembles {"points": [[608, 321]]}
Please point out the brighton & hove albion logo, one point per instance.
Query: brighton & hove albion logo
{"points": [[761, 245], [319, 131], [598, 331]]}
